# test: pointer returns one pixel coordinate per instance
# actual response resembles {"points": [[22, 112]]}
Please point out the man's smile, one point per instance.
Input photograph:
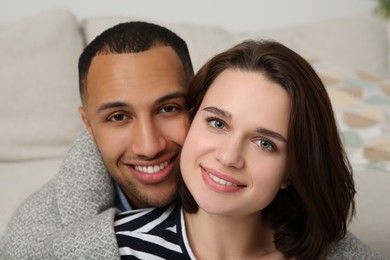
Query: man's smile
{"points": [[152, 168]]}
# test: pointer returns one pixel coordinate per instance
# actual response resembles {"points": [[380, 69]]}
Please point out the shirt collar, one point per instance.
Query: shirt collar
{"points": [[122, 201]]}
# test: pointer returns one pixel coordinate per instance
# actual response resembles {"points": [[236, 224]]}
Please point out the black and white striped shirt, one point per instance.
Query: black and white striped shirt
{"points": [[155, 233]]}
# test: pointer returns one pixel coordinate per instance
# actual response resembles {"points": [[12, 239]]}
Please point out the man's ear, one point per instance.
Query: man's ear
{"points": [[86, 122]]}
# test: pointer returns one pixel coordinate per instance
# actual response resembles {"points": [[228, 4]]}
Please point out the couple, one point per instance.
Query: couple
{"points": [[262, 172]]}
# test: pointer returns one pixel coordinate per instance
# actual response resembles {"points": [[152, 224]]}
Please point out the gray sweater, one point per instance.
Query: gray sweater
{"points": [[71, 217]]}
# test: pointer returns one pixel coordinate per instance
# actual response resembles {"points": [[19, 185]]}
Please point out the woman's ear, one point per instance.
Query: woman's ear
{"points": [[286, 183]]}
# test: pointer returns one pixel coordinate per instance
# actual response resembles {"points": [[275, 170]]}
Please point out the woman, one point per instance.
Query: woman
{"points": [[264, 173]]}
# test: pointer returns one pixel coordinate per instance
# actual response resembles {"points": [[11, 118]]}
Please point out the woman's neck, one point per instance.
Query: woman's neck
{"points": [[225, 237]]}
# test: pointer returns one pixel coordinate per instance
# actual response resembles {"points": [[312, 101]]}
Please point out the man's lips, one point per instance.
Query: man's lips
{"points": [[152, 173], [151, 169]]}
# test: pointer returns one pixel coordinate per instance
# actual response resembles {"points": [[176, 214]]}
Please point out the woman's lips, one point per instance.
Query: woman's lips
{"points": [[220, 182]]}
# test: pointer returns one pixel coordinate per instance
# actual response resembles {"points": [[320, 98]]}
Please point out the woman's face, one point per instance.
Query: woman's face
{"points": [[234, 158]]}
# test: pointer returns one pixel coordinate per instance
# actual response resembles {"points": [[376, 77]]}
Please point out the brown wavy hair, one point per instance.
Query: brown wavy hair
{"points": [[315, 209]]}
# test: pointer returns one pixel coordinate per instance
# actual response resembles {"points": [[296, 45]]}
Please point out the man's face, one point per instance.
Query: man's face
{"points": [[135, 112]]}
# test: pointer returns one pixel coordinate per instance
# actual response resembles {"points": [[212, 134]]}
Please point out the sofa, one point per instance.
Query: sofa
{"points": [[39, 98]]}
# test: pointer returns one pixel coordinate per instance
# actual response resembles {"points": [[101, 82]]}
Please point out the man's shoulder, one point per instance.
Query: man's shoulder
{"points": [[35, 219], [77, 194], [38, 207], [90, 238], [83, 155]]}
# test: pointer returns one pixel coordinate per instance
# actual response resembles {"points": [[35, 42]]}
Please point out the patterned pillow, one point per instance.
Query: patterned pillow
{"points": [[361, 103]]}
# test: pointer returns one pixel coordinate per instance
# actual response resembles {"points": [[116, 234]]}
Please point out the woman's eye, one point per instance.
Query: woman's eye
{"points": [[215, 123], [117, 117], [265, 145]]}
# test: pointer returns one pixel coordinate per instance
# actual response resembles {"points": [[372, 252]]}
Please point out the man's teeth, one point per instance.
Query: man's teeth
{"points": [[221, 181], [152, 169]]}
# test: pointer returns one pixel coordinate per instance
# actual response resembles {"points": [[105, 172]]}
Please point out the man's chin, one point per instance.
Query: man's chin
{"points": [[158, 201]]}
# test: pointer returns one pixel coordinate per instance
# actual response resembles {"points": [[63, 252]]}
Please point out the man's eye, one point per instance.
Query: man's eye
{"points": [[117, 117], [168, 109]]}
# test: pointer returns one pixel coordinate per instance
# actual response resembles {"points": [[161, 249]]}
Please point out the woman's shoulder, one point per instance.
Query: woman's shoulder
{"points": [[351, 247], [139, 219], [150, 233]]}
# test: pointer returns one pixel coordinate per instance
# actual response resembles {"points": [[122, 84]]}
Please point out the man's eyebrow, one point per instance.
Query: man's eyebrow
{"points": [[169, 96], [120, 104], [110, 105], [271, 134], [219, 112]]}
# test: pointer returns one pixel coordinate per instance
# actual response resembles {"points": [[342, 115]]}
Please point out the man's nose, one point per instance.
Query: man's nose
{"points": [[148, 138]]}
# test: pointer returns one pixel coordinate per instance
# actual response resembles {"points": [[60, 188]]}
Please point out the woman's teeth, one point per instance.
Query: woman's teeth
{"points": [[152, 169], [221, 181]]}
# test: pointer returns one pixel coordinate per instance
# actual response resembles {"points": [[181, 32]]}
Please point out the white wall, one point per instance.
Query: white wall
{"points": [[236, 15]]}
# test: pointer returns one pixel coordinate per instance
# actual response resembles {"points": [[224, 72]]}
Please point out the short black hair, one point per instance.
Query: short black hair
{"points": [[132, 37]]}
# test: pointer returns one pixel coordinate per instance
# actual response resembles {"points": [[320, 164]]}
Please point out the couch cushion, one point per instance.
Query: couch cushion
{"points": [[358, 41], [39, 86]]}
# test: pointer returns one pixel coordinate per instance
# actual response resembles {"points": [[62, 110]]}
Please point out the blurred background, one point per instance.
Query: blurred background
{"points": [[232, 15]]}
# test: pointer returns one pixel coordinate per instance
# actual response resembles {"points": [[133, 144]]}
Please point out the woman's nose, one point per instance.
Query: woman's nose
{"points": [[230, 154]]}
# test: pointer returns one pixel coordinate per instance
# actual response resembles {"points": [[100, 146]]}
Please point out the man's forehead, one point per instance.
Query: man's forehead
{"points": [[157, 61], [132, 74]]}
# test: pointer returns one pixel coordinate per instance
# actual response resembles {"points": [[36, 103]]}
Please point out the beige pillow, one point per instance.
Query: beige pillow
{"points": [[39, 86], [358, 41]]}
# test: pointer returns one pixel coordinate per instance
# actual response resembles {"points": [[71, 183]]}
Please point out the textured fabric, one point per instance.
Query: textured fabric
{"points": [[71, 217], [157, 232], [350, 247]]}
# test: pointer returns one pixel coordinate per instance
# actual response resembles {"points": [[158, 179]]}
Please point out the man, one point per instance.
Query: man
{"points": [[133, 80]]}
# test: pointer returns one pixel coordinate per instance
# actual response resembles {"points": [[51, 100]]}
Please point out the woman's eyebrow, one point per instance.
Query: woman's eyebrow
{"points": [[261, 130], [218, 111], [272, 134]]}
